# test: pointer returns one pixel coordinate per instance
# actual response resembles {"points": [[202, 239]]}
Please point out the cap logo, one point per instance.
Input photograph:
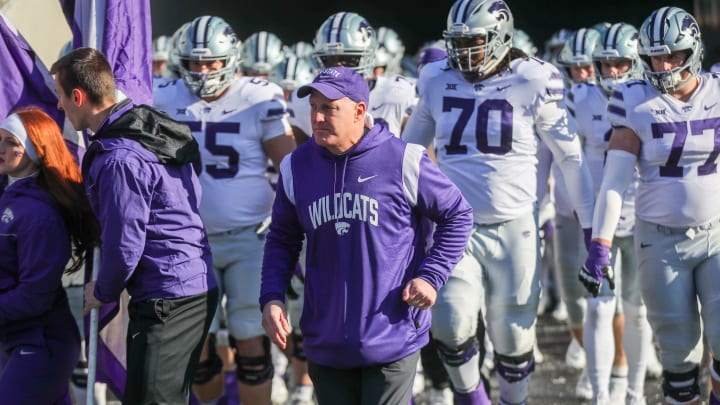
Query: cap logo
{"points": [[330, 72]]}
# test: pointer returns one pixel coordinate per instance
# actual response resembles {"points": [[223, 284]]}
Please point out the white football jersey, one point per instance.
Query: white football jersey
{"points": [[485, 133], [231, 132], [587, 105], [391, 99], [299, 112], [679, 179]]}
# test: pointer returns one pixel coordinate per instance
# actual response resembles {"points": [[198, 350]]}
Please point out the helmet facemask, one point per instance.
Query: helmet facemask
{"points": [[665, 31], [477, 55]]}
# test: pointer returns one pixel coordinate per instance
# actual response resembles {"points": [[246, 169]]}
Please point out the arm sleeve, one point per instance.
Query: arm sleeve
{"points": [[43, 249], [123, 205], [438, 199], [617, 176], [558, 133], [420, 127], [283, 242]]}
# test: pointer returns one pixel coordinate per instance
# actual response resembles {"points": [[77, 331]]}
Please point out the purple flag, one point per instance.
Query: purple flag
{"points": [[121, 29], [25, 81]]}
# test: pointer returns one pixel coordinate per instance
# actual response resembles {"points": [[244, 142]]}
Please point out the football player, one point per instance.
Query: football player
{"points": [[347, 39], [239, 124], [484, 106], [615, 60], [261, 53], [667, 125]]}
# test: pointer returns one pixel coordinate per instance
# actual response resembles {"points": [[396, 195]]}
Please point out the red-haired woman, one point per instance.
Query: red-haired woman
{"points": [[43, 215]]}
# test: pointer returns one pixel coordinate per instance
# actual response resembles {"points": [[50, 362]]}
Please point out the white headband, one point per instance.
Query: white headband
{"points": [[14, 125]]}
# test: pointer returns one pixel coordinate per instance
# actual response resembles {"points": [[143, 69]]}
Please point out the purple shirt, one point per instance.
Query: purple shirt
{"points": [[153, 240], [362, 214]]}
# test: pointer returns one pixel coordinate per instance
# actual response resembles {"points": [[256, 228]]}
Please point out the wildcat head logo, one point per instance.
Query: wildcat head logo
{"points": [[342, 227], [7, 216]]}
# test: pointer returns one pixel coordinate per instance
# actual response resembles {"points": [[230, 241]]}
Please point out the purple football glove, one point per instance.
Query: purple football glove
{"points": [[587, 233], [596, 268]]}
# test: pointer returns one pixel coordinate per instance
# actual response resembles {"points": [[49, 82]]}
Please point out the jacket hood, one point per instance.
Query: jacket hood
{"points": [[171, 141], [28, 187]]}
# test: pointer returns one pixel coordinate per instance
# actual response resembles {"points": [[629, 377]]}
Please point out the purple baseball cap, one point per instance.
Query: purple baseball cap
{"points": [[338, 82]]}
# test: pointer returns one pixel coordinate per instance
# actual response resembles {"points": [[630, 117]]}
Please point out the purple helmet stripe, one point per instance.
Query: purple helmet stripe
{"points": [[662, 22], [656, 26], [612, 36], [338, 30]]}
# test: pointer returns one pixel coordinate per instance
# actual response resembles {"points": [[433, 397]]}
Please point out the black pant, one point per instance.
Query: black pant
{"points": [[164, 340], [385, 384]]}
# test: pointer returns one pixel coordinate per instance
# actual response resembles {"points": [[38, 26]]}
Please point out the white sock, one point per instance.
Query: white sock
{"points": [[599, 343], [466, 377], [513, 393], [636, 339]]}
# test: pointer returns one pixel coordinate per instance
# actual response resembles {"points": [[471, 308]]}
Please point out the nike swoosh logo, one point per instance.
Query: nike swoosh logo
{"points": [[707, 107], [364, 179], [378, 107], [503, 87], [135, 335], [644, 245], [24, 353], [229, 111]]}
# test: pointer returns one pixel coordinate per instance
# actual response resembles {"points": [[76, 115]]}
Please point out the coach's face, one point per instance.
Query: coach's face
{"points": [[337, 124]]}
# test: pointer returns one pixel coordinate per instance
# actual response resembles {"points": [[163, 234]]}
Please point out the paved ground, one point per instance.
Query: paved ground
{"points": [[553, 383]]}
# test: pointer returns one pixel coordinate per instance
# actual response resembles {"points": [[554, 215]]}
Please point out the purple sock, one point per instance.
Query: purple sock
{"points": [[477, 397], [714, 400]]}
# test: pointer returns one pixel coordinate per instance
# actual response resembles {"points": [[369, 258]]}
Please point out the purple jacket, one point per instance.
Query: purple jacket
{"points": [[361, 213], [35, 247], [153, 241]]}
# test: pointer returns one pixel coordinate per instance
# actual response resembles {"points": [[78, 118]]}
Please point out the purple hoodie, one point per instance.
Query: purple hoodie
{"points": [[153, 241], [361, 213], [35, 247]]}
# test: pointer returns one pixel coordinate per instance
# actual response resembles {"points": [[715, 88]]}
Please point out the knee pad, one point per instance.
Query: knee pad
{"points": [[681, 387], [79, 377], [460, 355], [210, 367], [298, 351], [514, 368], [255, 370]]}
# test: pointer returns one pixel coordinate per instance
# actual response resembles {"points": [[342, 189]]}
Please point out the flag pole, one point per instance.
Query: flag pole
{"points": [[93, 336]]}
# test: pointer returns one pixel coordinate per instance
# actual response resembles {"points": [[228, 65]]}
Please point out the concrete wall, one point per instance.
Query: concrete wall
{"points": [[42, 24]]}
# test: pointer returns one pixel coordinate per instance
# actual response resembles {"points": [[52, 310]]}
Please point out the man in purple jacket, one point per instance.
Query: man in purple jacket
{"points": [[139, 179], [359, 194]]}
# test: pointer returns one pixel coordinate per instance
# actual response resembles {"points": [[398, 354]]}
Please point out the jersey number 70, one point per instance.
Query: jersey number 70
{"points": [[467, 106]]}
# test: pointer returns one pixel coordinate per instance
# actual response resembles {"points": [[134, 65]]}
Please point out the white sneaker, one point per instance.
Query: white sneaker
{"points": [[279, 394], [301, 397], [575, 355], [583, 388], [560, 313], [633, 399], [441, 397]]}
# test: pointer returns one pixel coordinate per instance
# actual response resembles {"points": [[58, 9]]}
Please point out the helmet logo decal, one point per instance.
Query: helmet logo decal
{"points": [[689, 24], [500, 10]]}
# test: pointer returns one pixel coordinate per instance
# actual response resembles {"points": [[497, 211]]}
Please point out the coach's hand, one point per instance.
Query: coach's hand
{"points": [[596, 268], [275, 323], [90, 301], [419, 293]]}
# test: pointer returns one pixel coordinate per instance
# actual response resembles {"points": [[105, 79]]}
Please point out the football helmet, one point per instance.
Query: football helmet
{"points": [[601, 27], [469, 20], [161, 48], [292, 73], [346, 39], [619, 42], [262, 51], [555, 43], [578, 49], [208, 38], [173, 63], [666, 30], [390, 50], [521, 40], [302, 49]]}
